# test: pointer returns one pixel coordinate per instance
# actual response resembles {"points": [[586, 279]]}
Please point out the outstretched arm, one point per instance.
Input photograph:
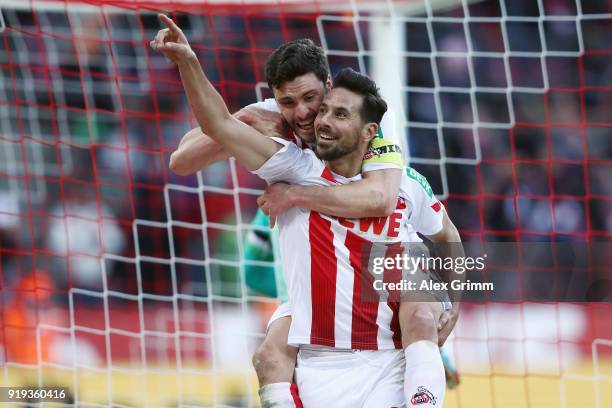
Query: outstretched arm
{"points": [[250, 147]]}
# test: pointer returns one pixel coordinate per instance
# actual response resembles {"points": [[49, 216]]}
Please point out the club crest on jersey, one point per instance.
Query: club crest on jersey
{"points": [[423, 396]]}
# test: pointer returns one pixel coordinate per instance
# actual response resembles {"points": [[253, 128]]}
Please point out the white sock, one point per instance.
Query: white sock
{"points": [[277, 395], [424, 380]]}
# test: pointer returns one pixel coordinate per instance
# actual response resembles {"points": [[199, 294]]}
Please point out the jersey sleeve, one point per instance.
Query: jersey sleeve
{"points": [[290, 164], [387, 128], [427, 211], [385, 150], [267, 104]]}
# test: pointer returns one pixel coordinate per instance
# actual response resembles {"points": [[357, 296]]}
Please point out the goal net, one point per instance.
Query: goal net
{"points": [[125, 283]]}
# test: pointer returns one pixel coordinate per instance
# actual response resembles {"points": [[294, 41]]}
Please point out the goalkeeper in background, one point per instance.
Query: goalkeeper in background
{"points": [[259, 248], [268, 281]]}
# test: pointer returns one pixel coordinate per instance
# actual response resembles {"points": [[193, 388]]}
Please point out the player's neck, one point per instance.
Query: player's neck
{"points": [[347, 166], [306, 141]]}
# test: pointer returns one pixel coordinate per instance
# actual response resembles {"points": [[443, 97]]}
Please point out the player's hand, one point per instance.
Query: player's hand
{"points": [[266, 122], [447, 322], [171, 42], [275, 201]]}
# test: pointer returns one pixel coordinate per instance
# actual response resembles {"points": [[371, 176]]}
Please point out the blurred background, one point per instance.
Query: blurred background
{"points": [[125, 282]]}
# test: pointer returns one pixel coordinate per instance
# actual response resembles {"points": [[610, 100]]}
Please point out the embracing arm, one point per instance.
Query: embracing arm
{"points": [[196, 151], [373, 196], [250, 147]]}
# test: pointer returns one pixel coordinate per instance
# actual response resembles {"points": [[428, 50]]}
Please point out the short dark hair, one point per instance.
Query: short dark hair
{"points": [[293, 59], [374, 106]]}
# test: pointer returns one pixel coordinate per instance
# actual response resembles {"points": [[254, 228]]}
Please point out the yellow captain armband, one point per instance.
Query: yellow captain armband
{"points": [[383, 152]]}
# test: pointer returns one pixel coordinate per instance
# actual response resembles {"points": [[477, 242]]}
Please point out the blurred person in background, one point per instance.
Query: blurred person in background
{"points": [[23, 309], [81, 230]]}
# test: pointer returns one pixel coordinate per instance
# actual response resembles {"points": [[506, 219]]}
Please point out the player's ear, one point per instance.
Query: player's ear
{"points": [[369, 131], [328, 83]]}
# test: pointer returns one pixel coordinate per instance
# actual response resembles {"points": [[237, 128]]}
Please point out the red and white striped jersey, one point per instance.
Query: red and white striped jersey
{"points": [[332, 300]]}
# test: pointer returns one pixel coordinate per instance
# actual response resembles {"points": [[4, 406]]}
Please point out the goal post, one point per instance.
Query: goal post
{"points": [[125, 283]]}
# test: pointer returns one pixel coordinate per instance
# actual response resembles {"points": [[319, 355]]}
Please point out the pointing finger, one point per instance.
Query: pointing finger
{"points": [[169, 23]]}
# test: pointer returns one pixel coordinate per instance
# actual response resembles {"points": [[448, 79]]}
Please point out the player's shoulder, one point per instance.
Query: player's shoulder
{"points": [[267, 104], [417, 181], [383, 151], [388, 128], [291, 148]]}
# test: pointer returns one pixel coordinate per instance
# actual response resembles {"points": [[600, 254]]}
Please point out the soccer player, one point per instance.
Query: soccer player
{"points": [[274, 361], [212, 116], [297, 73]]}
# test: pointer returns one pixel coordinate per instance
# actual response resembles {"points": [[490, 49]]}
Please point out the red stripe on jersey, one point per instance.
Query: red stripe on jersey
{"points": [[364, 329], [296, 396], [395, 325], [327, 175], [436, 206], [394, 275], [323, 266]]}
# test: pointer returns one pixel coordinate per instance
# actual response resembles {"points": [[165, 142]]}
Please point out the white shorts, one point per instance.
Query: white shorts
{"points": [[337, 378], [283, 310]]}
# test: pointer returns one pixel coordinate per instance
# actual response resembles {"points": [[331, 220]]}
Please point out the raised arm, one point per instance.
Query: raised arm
{"points": [[250, 147]]}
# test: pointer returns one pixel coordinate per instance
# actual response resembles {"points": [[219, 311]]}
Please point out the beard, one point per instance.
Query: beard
{"points": [[335, 152]]}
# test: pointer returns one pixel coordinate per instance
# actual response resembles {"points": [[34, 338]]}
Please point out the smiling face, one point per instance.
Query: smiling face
{"points": [[339, 126], [299, 101]]}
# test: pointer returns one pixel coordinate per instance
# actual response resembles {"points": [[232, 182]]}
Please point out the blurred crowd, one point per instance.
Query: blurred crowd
{"points": [[90, 116]]}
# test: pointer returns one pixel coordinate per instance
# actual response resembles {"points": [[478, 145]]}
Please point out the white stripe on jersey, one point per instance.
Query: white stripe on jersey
{"points": [[383, 319], [345, 277]]}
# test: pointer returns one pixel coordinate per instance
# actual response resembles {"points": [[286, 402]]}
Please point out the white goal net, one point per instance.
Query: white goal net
{"points": [[125, 283]]}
